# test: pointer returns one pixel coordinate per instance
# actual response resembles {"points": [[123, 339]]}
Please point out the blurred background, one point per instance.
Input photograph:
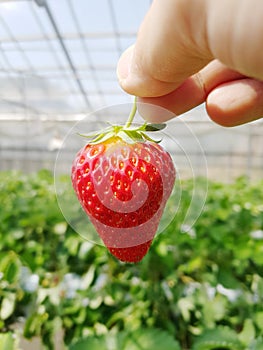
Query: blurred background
{"points": [[199, 287], [58, 64]]}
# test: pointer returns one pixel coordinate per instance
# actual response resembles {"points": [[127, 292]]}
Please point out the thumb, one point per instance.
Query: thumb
{"points": [[180, 37], [165, 53], [143, 80]]}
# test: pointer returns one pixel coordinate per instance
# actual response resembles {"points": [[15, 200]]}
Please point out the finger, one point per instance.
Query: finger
{"points": [[179, 37], [140, 84], [237, 102], [163, 56], [190, 94]]}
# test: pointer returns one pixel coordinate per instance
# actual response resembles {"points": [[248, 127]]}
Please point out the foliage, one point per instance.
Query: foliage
{"points": [[198, 290], [153, 339], [8, 341]]}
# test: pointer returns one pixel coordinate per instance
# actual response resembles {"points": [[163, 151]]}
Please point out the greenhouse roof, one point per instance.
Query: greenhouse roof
{"points": [[59, 57], [58, 62]]}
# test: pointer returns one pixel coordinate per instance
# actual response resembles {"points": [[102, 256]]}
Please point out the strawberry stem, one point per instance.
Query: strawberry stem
{"points": [[132, 114], [125, 132]]}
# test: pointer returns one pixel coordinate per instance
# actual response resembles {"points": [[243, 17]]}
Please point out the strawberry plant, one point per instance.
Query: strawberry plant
{"points": [[200, 289], [140, 339], [123, 180]]}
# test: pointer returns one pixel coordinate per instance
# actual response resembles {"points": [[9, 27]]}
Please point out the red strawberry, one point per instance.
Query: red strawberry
{"points": [[123, 187]]}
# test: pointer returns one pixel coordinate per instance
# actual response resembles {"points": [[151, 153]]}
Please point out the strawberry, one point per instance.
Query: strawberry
{"points": [[123, 180]]}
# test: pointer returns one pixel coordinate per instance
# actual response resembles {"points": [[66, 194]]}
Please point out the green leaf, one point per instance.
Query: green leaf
{"points": [[259, 319], [142, 339], [60, 228], [92, 135], [153, 339], [7, 341], [248, 333], [256, 344], [148, 138], [226, 278], [186, 305], [12, 271], [133, 135], [154, 127], [103, 137], [34, 323], [7, 306], [214, 310], [88, 277], [100, 136], [90, 343], [218, 338]]}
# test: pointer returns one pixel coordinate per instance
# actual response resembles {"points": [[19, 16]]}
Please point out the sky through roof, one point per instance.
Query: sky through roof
{"points": [[60, 56]]}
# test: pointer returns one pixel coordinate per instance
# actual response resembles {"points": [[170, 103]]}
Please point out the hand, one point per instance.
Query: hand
{"points": [[194, 51]]}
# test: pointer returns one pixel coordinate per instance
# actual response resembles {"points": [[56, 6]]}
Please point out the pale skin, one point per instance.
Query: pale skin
{"points": [[192, 51]]}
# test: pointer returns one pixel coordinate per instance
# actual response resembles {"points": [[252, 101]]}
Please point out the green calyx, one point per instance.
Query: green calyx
{"points": [[127, 132]]}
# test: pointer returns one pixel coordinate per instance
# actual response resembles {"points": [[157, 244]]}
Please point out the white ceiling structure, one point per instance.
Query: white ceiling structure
{"points": [[60, 56], [58, 62]]}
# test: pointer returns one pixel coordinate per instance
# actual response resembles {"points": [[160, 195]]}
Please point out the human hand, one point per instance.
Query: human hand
{"points": [[193, 51]]}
